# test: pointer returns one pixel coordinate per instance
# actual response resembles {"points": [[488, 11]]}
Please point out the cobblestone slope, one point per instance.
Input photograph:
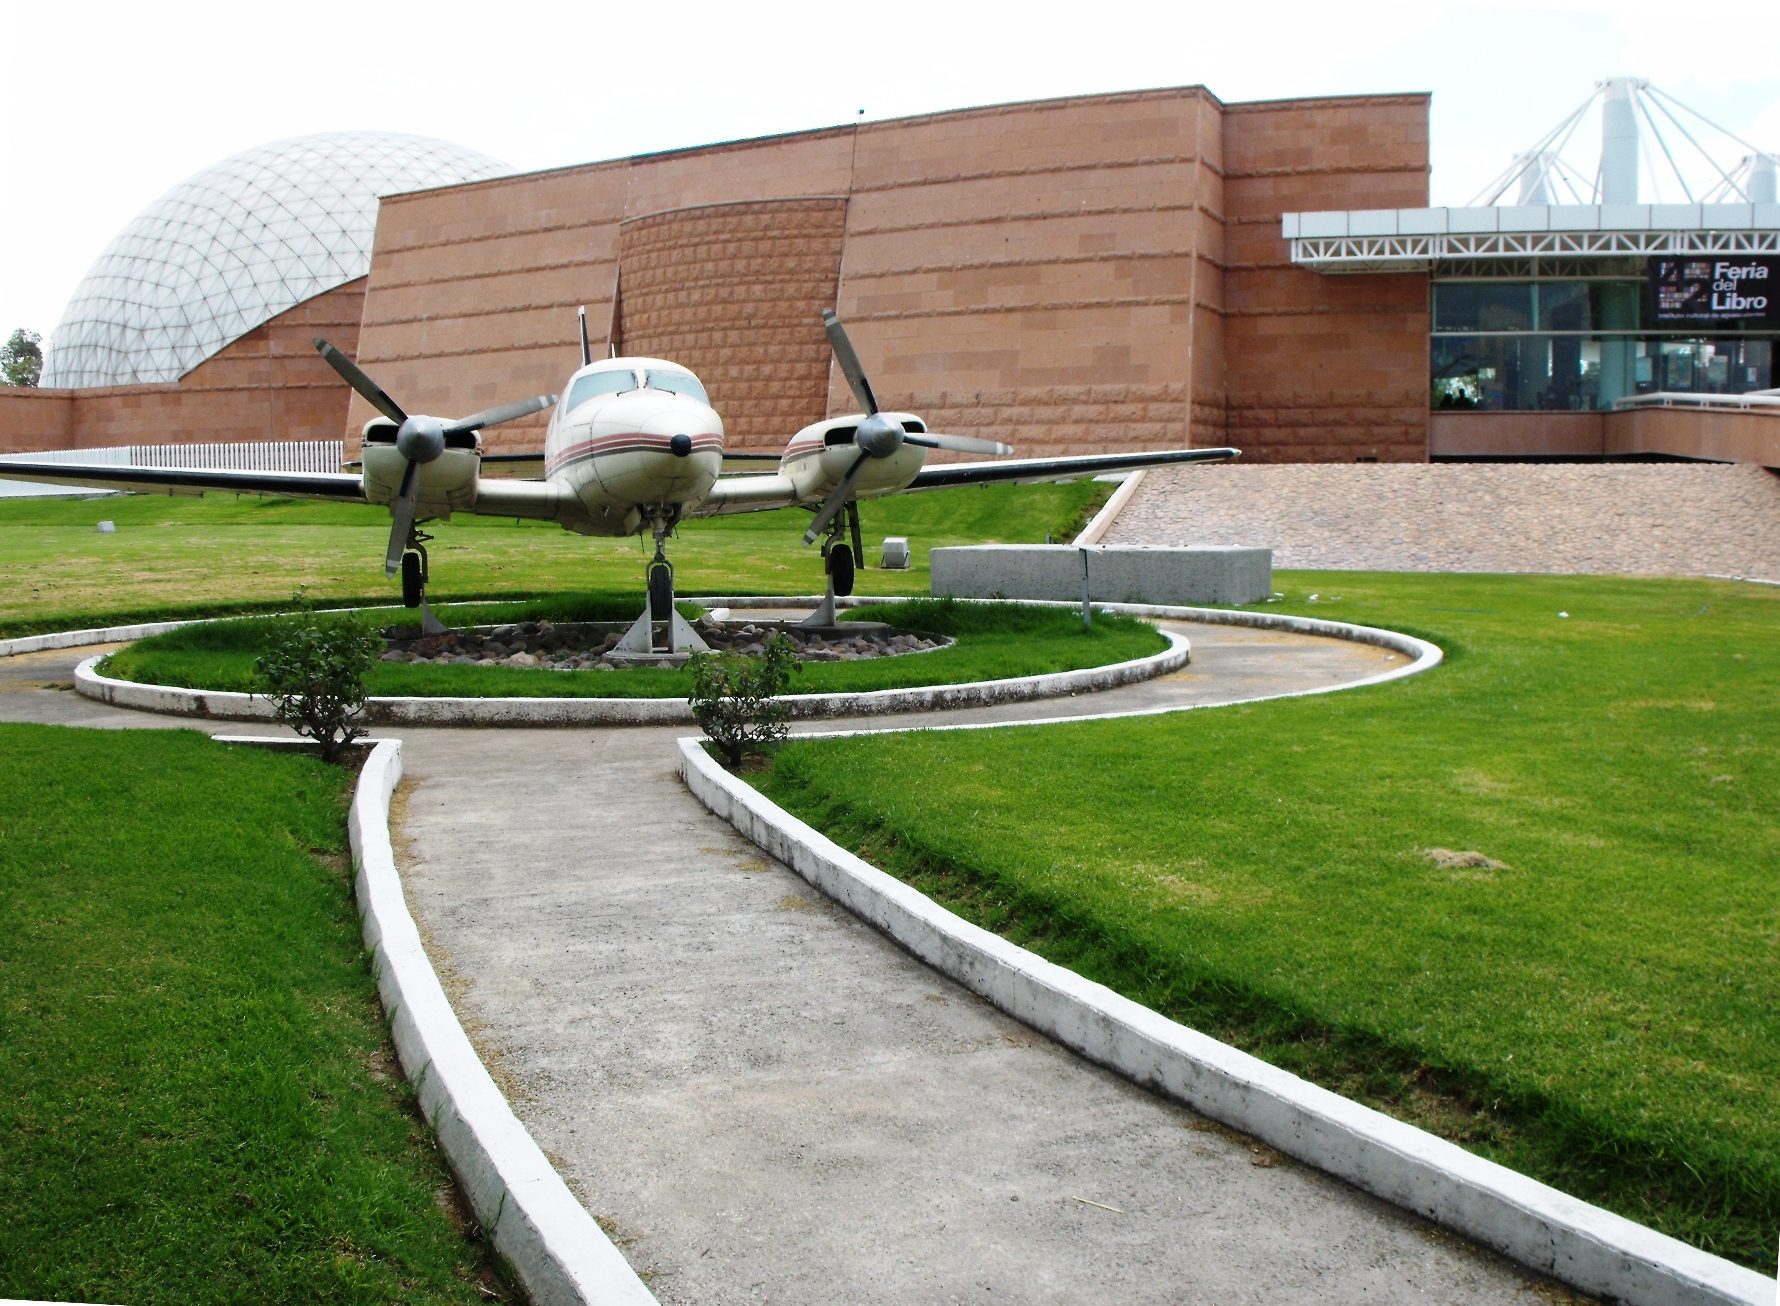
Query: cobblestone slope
{"points": [[1684, 519]]}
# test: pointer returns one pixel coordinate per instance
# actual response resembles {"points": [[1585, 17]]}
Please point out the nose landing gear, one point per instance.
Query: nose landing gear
{"points": [[661, 628]]}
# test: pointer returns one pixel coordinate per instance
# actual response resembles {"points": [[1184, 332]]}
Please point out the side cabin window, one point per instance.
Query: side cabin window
{"points": [[595, 384], [680, 383]]}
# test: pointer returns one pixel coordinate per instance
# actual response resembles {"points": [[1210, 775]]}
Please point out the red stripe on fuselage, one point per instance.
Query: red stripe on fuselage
{"points": [[628, 442]]}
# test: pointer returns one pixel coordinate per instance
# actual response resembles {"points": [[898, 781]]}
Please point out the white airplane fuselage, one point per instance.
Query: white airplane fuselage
{"points": [[630, 452], [638, 455]]}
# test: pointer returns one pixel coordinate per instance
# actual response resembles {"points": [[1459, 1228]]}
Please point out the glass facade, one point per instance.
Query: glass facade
{"points": [[1570, 345], [233, 246]]}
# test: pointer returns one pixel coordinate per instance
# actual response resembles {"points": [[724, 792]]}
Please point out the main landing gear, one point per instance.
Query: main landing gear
{"points": [[839, 563], [661, 629], [414, 579]]}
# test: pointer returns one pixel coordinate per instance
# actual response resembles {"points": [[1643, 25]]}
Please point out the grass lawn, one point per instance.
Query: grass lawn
{"points": [[200, 1105], [991, 643], [1600, 1009], [176, 557]]}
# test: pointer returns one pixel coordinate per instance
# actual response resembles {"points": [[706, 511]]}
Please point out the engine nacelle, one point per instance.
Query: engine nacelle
{"points": [[818, 456], [445, 484]]}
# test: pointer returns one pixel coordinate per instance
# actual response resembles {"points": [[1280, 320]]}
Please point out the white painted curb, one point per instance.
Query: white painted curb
{"points": [[1537, 1225], [81, 638], [560, 1254], [228, 705]]}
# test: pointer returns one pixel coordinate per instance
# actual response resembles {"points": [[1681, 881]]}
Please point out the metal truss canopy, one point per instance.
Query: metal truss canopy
{"points": [[1420, 240]]}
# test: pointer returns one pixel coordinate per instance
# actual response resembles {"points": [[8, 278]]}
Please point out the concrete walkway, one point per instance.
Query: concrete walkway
{"points": [[766, 1101]]}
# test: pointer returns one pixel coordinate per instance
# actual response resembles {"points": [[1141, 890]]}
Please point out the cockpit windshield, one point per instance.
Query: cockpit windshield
{"points": [[680, 383], [595, 384]]}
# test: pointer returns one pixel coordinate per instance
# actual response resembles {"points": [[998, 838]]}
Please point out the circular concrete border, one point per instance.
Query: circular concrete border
{"points": [[225, 705]]}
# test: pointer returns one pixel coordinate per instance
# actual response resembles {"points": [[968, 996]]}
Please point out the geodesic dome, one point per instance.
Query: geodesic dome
{"points": [[233, 246]]}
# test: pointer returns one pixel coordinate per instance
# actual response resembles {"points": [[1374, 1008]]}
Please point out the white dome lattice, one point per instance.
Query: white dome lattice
{"points": [[235, 245]]}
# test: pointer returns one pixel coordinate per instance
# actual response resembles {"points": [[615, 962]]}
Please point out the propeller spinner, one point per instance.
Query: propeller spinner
{"points": [[879, 435], [419, 439]]}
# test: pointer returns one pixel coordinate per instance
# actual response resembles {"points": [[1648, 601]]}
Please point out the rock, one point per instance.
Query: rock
{"points": [[520, 660]]}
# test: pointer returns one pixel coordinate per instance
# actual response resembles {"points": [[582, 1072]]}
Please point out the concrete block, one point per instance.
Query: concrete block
{"points": [[1220, 574]]}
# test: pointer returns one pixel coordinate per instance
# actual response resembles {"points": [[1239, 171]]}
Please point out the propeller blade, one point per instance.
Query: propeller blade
{"points": [[371, 392], [836, 500], [401, 520], [849, 361], [958, 443], [505, 413]]}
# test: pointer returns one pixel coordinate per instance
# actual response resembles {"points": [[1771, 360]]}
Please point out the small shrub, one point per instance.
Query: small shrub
{"points": [[315, 676], [734, 698]]}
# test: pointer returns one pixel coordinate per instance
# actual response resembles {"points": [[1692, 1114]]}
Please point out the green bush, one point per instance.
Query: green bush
{"points": [[734, 699], [315, 676]]}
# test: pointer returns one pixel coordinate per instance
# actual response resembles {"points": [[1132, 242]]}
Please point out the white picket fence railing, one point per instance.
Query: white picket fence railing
{"points": [[263, 456]]}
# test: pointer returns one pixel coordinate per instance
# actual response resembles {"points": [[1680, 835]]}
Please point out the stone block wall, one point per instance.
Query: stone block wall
{"points": [[268, 385], [34, 420], [1035, 272], [1321, 368]]}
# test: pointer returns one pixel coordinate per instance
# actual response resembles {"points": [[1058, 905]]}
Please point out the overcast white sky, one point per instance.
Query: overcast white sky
{"points": [[111, 105]]}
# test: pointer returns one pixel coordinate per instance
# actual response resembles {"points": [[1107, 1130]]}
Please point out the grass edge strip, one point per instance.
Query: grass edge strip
{"points": [[558, 1250]]}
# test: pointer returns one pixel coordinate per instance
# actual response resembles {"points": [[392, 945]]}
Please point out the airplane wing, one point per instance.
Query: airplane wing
{"points": [[504, 496], [495, 496], [748, 493], [1033, 471], [187, 480], [757, 493]]}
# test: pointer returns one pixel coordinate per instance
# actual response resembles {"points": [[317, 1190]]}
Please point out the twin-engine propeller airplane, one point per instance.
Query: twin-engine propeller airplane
{"points": [[633, 445]]}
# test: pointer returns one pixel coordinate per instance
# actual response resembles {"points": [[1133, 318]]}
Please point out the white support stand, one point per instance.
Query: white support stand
{"points": [[682, 638], [824, 613], [429, 624]]}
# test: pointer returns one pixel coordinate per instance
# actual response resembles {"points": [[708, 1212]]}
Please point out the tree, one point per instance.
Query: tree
{"points": [[315, 676], [21, 358], [735, 699]]}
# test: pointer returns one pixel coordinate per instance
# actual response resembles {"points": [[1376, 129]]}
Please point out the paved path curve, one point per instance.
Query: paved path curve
{"points": [[766, 1101]]}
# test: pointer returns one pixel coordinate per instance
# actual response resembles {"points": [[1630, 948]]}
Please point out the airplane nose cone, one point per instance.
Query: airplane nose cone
{"points": [[680, 446]]}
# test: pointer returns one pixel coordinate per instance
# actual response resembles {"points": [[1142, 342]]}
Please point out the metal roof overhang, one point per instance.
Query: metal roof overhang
{"points": [[1420, 240]]}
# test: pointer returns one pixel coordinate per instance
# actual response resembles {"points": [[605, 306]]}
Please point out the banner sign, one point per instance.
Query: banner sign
{"points": [[1727, 289]]}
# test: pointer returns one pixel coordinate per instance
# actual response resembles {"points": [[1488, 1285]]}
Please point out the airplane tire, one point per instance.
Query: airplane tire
{"points": [[840, 569], [413, 580], [661, 592]]}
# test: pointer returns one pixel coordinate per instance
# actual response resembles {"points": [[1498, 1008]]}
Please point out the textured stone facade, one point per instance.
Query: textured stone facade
{"points": [[726, 289], [1069, 275]]}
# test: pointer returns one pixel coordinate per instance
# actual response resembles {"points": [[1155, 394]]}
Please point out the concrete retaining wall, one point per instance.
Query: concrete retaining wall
{"points": [[1115, 575]]}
